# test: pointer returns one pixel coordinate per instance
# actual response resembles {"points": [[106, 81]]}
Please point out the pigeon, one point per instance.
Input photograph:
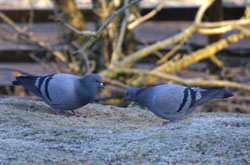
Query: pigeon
{"points": [[172, 102], [62, 91]]}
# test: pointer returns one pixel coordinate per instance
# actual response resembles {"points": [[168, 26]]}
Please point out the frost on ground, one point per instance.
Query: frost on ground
{"points": [[31, 133]]}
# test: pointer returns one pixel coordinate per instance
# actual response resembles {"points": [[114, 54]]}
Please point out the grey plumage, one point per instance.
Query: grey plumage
{"points": [[62, 91], [172, 102]]}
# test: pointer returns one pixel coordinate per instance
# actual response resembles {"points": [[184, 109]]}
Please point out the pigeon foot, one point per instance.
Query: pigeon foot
{"points": [[76, 114]]}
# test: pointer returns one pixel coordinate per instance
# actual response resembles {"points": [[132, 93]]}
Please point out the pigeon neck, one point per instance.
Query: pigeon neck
{"points": [[135, 93], [87, 88]]}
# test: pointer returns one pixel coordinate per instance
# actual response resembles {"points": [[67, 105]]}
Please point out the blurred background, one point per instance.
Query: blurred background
{"points": [[150, 43]]}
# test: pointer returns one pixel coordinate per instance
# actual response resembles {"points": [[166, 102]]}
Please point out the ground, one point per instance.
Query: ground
{"points": [[31, 133]]}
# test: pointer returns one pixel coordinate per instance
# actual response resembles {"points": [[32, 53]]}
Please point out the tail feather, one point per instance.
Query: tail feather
{"points": [[227, 94], [15, 82], [218, 93], [211, 93], [28, 82]]}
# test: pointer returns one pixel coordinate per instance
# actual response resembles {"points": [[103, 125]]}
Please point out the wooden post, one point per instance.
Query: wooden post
{"points": [[215, 13], [71, 15]]}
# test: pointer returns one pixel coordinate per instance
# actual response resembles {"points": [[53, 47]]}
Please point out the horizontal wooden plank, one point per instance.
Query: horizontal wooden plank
{"points": [[168, 13], [15, 54], [147, 33]]}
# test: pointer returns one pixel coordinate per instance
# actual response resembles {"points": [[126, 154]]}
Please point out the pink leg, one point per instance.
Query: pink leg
{"points": [[172, 121], [57, 112], [76, 114]]}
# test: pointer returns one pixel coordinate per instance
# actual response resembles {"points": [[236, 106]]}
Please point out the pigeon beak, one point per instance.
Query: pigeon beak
{"points": [[101, 85]]}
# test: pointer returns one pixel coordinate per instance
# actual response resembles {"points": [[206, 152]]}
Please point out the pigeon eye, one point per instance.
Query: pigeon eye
{"points": [[97, 81]]}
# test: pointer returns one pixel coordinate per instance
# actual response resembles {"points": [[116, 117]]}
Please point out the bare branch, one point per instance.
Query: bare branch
{"points": [[212, 31], [184, 81], [131, 59], [140, 20], [115, 83], [100, 30], [30, 38], [31, 16], [221, 27], [201, 11], [224, 23], [216, 61], [173, 51], [118, 51], [11, 23], [84, 33], [161, 44], [206, 52]]}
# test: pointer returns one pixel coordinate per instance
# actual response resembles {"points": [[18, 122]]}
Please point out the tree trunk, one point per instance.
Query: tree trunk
{"points": [[72, 16], [106, 46]]}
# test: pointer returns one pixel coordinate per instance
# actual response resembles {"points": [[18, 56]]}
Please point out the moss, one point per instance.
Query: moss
{"points": [[30, 132]]}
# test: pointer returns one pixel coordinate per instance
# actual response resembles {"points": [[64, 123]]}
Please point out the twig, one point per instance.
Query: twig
{"points": [[115, 83], [30, 38], [243, 29], [221, 27], [11, 23], [140, 20], [202, 10], [216, 61], [131, 59], [206, 52], [123, 29], [118, 50], [31, 17], [84, 33], [224, 23], [173, 51], [100, 30], [160, 44], [184, 81], [84, 55], [157, 53], [218, 30]]}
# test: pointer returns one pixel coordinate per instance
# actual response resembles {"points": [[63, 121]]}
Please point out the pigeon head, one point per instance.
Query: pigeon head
{"points": [[131, 94], [90, 83], [93, 80]]}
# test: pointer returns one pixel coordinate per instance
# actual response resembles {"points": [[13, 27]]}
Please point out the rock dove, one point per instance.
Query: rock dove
{"points": [[172, 102], [62, 91]]}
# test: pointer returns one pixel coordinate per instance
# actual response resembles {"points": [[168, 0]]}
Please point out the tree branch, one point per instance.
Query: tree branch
{"points": [[184, 81], [84, 33], [209, 50], [201, 11], [160, 44], [118, 51], [100, 30], [140, 20]]}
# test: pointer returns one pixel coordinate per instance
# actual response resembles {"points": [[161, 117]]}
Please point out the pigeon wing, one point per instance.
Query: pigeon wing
{"points": [[61, 92], [169, 99]]}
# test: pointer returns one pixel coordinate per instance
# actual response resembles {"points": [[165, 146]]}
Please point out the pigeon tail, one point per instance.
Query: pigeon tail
{"points": [[28, 82], [211, 93], [22, 80], [227, 94], [217, 93], [16, 82]]}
